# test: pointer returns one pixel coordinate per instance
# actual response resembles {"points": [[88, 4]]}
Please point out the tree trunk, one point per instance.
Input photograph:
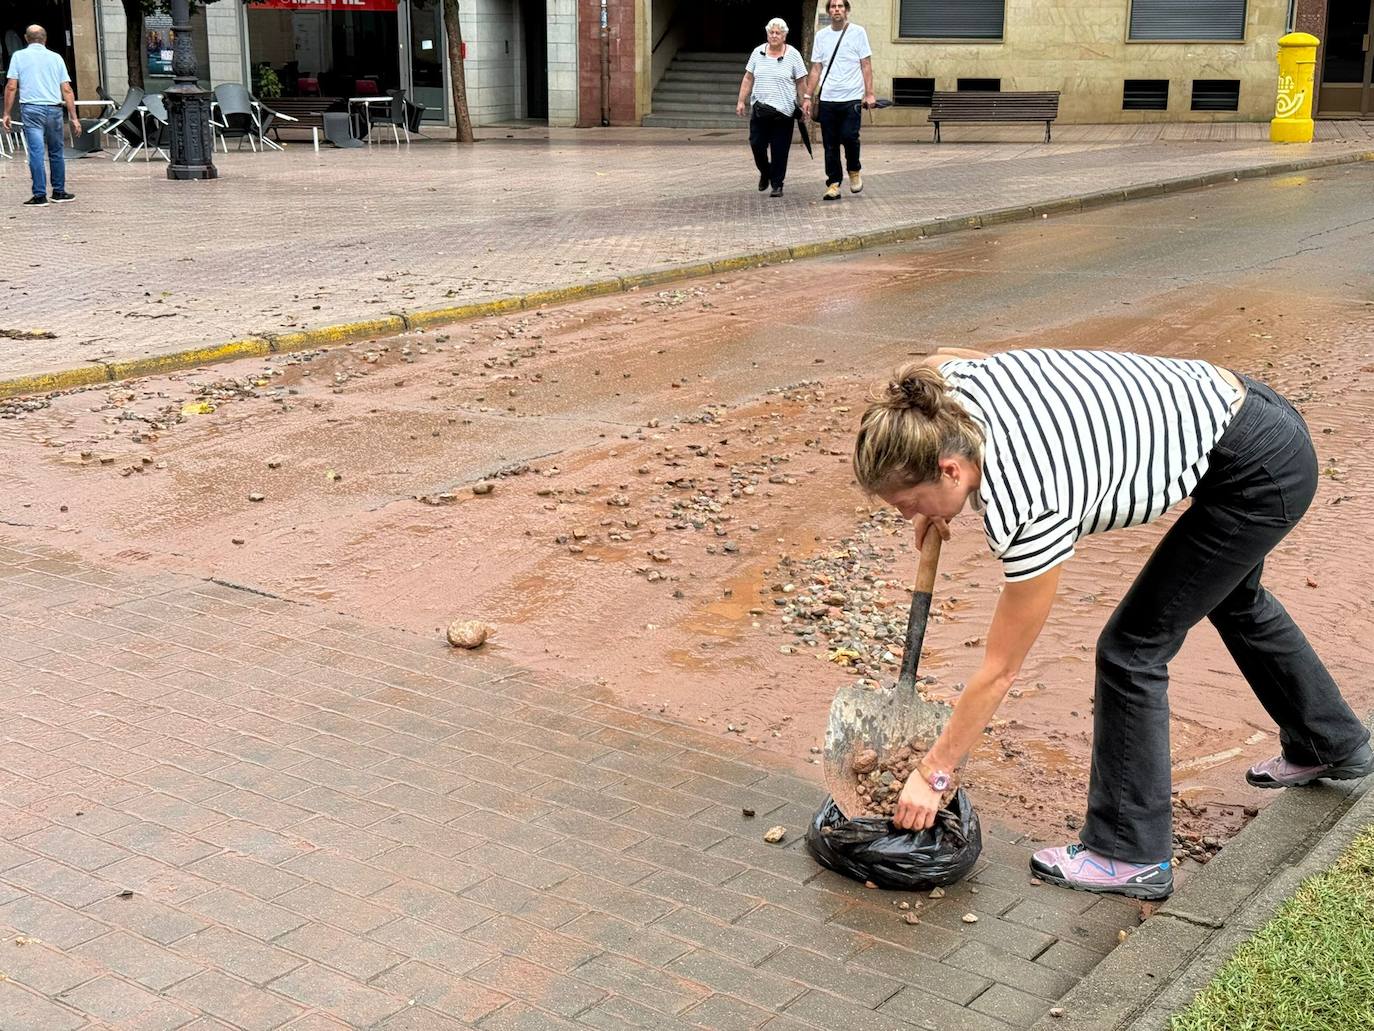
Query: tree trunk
{"points": [[808, 29], [455, 61], [134, 48]]}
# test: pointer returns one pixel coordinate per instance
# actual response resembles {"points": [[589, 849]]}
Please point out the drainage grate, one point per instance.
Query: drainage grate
{"points": [[912, 92], [1216, 94], [1145, 95]]}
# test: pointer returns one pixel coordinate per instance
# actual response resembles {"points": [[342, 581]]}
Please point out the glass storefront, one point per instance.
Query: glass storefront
{"points": [[335, 49]]}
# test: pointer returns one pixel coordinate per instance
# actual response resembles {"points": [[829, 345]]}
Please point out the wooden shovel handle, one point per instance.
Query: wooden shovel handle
{"points": [[930, 561]]}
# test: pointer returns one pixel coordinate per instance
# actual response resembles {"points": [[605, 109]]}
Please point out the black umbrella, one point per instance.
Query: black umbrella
{"points": [[805, 132]]}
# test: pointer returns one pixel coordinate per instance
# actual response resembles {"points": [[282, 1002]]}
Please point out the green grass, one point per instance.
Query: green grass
{"points": [[1311, 968]]}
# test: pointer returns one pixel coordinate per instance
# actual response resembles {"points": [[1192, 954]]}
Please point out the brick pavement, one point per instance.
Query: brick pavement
{"points": [[220, 809], [140, 266]]}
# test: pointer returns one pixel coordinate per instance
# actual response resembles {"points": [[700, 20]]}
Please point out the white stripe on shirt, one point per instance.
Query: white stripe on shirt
{"points": [[1081, 442]]}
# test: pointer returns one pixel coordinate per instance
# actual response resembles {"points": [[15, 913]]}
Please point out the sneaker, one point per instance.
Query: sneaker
{"points": [[1278, 772], [36, 199], [856, 183], [776, 191], [62, 196], [832, 192], [1079, 867], [763, 181]]}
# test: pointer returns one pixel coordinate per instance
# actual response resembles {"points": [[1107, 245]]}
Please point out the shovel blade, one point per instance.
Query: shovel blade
{"points": [[882, 720]]}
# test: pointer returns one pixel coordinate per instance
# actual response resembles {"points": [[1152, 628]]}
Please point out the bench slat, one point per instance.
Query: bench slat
{"points": [[987, 106]]}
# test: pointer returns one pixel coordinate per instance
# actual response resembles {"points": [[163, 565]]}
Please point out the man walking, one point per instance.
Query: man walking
{"points": [[841, 84], [41, 77]]}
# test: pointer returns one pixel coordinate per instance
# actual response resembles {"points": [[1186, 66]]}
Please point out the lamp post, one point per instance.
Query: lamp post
{"points": [[188, 106]]}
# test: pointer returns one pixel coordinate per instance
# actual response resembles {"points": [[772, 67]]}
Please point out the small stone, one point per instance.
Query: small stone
{"points": [[869, 884], [257, 497], [748, 814], [904, 905], [618, 501], [468, 633], [1056, 1011], [274, 462], [126, 894], [235, 540], [937, 893], [1036, 881], [773, 835], [1121, 936], [483, 487], [970, 918], [911, 918]]}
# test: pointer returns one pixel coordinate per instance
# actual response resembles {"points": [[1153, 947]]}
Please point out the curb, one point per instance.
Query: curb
{"points": [[96, 373], [1175, 954]]}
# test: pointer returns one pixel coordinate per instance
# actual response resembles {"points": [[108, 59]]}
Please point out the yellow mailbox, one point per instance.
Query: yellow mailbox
{"points": [[1292, 121]]}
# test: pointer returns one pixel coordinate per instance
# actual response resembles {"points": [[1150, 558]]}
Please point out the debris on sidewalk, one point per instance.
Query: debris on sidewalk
{"points": [[468, 633]]}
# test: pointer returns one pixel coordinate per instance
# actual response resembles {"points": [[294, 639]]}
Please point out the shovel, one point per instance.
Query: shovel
{"points": [[884, 720]]}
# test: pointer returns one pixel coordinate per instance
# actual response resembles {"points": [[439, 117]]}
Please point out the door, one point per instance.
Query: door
{"points": [[536, 37], [428, 51], [1348, 65]]}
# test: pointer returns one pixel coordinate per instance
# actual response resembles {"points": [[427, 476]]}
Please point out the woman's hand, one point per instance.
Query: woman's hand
{"points": [[739, 109], [917, 804], [921, 524]]}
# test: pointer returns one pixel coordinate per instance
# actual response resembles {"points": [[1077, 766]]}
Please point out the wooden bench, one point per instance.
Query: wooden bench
{"points": [[986, 106], [308, 111]]}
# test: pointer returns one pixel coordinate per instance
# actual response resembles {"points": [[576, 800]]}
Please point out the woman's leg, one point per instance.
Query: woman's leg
{"points": [[758, 143], [780, 144], [1261, 480]]}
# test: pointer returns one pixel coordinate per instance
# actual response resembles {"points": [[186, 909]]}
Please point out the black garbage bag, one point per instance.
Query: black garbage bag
{"points": [[871, 849]]}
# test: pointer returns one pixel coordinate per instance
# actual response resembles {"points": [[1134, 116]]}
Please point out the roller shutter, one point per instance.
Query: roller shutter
{"points": [[951, 19], [1188, 19]]}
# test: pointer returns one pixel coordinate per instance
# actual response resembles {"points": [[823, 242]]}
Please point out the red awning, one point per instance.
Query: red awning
{"points": [[325, 5]]}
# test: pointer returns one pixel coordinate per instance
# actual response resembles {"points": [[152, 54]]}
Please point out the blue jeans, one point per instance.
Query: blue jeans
{"points": [[43, 132], [1261, 477]]}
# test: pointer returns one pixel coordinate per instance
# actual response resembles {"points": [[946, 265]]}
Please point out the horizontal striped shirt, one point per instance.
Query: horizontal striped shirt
{"points": [[775, 82], [1081, 442]]}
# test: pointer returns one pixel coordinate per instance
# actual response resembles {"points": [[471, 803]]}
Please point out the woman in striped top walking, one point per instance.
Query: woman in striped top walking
{"points": [[1051, 445], [771, 91]]}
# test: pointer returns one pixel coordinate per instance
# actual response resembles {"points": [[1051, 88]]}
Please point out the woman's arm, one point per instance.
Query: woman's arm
{"points": [[745, 88], [1016, 623], [944, 354]]}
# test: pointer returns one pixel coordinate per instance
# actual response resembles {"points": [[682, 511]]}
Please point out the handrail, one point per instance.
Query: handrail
{"points": [[672, 24]]}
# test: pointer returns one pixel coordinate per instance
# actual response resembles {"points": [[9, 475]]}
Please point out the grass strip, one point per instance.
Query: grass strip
{"points": [[1311, 968]]}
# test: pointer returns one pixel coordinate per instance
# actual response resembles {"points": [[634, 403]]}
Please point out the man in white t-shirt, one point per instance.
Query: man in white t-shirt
{"points": [[840, 87]]}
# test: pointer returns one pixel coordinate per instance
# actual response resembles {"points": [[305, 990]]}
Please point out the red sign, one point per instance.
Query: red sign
{"points": [[326, 5]]}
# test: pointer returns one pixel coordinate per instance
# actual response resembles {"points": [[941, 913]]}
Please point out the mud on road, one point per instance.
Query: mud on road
{"points": [[672, 512]]}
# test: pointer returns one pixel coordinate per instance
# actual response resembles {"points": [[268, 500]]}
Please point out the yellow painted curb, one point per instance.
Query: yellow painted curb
{"points": [[62, 379], [666, 275], [576, 292], [151, 365], [462, 312], [347, 332]]}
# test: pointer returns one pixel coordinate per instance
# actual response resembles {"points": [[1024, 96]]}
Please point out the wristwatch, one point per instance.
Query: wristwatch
{"points": [[938, 780]]}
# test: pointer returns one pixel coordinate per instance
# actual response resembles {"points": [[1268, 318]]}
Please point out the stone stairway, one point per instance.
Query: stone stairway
{"points": [[698, 91]]}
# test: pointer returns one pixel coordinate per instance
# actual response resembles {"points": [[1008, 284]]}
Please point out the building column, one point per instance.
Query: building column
{"points": [[562, 50]]}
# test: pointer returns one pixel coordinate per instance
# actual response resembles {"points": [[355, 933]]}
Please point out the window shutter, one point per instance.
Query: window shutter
{"points": [[1188, 19], [951, 19]]}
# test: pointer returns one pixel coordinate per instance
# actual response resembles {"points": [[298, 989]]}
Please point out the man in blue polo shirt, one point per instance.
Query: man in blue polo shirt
{"points": [[39, 77]]}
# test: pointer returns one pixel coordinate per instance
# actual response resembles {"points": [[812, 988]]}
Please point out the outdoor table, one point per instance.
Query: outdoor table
{"points": [[363, 102]]}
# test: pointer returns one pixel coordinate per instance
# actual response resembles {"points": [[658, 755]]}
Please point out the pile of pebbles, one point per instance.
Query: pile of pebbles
{"points": [[846, 603], [881, 779]]}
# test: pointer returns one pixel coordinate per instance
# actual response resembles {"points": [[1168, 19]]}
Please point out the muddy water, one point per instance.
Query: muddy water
{"points": [[671, 398]]}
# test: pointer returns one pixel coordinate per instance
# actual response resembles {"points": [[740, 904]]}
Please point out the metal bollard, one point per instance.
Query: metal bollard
{"points": [[1292, 122], [315, 136]]}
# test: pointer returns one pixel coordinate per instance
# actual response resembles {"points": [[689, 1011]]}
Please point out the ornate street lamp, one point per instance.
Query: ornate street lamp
{"points": [[188, 106]]}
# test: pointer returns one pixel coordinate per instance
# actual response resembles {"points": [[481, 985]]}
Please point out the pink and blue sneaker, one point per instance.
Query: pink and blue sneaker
{"points": [[1278, 772], [1079, 867]]}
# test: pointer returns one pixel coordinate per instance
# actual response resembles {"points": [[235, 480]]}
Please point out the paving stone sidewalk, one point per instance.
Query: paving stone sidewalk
{"points": [[220, 809], [140, 266]]}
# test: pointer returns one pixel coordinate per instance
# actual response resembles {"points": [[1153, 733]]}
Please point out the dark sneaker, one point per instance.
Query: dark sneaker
{"points": [[62, 196], [1278, 772], [36, 200], [776, 191], [1079, 867], [763, 181]]}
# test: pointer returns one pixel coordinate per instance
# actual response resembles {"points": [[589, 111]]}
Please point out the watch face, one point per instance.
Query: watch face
{"points": [[939, 781]]}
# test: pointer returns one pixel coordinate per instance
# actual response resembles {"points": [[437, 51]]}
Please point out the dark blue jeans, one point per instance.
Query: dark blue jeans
{"points": [[840, 121], [1261, 478], [43, 132]]}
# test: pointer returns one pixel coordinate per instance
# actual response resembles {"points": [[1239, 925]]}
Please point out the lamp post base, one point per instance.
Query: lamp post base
{"points": [[192, 145]]}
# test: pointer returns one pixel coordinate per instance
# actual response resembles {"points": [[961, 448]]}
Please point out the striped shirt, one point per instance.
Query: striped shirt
{"points": [[1081, 442], [775, 81]]}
